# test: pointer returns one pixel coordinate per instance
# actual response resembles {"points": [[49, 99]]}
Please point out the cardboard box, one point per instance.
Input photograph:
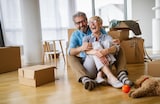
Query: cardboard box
{"points": [[128, 24], [122, 25], [36, 75], [119, 34], [153, 68], [10, 58], [133, 49]]}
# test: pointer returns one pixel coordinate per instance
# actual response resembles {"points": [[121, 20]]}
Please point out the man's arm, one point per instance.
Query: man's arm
{"points": [[85, 47], [75, 51]]}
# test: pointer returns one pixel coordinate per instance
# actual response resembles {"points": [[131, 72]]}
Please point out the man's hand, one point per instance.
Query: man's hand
{"points": [[86, 46], [116, 41]]}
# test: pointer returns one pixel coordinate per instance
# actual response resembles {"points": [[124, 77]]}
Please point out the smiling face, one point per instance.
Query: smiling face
{"points": [[95, 24], [80, 21]]}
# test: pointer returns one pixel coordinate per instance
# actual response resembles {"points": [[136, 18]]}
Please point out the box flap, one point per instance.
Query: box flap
{"points": [[127, 24], [29, 72]]}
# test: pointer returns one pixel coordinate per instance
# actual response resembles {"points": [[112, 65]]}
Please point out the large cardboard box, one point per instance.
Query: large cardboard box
{"points": [[119, 34], [133, 49], [10, 58], [36, 75], [153, 68]]}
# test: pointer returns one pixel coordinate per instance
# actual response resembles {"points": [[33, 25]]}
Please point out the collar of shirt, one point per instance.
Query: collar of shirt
{"points": [[94, 38]]}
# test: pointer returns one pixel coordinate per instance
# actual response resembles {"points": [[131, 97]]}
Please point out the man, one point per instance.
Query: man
{"points": [[77, 48]]}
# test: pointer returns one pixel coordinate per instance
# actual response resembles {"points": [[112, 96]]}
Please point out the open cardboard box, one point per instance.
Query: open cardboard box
{"points": [[36, 75], [128, 24], [119, 34]]}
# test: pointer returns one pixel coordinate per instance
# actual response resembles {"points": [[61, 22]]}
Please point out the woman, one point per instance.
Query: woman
{"points": [[95, 62]]}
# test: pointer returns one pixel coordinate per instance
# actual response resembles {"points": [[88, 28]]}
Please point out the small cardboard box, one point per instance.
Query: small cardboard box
{"points": [[153, 68], [10, 58], [119, 34], [36, 75]]}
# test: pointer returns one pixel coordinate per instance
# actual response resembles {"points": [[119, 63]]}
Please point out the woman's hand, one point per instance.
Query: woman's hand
{"points": [[104, 60], [104, 52], [98, 53], [102, 57]]}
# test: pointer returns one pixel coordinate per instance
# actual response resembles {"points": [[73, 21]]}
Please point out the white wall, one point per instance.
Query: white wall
{"points": [[141, 10]]}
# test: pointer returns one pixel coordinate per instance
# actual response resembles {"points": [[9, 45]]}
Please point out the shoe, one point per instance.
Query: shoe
{"points": [[116, 84], [101, 81]]}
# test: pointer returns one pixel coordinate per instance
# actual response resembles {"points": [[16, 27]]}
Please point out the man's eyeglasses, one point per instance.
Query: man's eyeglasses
{"points": [[78, 23]]}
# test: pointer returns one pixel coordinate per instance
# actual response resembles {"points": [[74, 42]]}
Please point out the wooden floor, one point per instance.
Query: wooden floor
{"points": [[66, 90]]}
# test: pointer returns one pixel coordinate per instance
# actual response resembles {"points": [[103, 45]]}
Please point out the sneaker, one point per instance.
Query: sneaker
{"points": [[116, 84]]}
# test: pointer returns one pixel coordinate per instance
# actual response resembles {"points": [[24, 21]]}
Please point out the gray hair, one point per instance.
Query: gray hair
{"points": [[99, 19], [79, 14]]}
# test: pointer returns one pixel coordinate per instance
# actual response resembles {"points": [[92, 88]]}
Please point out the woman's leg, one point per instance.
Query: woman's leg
{"points": [[111, 78], [99, 79], [90, 66], [105, 69], [92, 71]]}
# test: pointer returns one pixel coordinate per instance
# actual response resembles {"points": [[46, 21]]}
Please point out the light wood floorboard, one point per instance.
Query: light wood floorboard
{"points": [[66, 90]]}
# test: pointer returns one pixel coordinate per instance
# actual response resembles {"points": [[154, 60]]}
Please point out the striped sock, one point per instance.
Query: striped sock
{"points": [[122, 76], [89, 84]]}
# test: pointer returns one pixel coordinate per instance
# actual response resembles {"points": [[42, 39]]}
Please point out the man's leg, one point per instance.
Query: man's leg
{"points": [[120, 65], [80, 72]]}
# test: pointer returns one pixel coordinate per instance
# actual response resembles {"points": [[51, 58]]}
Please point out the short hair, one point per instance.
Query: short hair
{"points": [[79, 14], [99, 19]]}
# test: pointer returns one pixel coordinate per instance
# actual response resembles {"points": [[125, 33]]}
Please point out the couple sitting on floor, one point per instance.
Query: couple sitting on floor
{"points": [[97, 51]]}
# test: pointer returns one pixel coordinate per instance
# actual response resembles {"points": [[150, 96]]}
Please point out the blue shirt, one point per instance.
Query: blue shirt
{"points": [[76, 39]]}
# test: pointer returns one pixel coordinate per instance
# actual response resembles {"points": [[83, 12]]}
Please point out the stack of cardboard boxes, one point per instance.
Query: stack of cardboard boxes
{"points": [[121, 31], [132, 47]]}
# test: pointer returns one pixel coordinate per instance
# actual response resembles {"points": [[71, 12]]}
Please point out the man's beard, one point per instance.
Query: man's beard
{"points": [[83, 29]]}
